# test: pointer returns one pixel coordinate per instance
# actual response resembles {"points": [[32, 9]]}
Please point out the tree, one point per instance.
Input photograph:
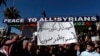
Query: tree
{"points": [[11, 13], [3, 2]]}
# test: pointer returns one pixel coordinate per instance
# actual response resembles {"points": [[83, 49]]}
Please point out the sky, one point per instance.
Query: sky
{"points": [[34, 8]]}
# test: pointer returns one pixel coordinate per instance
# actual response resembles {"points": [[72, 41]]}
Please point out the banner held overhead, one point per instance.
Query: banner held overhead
{"points": [[52, 33]]}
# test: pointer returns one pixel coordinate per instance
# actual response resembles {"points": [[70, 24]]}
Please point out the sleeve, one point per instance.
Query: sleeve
{"points": [[10, 41]]}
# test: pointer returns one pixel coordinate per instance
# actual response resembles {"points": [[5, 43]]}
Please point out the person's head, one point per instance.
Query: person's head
{"points": [[77, 47], [95, 42], [29, 47], [86, 38], [66, 46], [25, 44], [98, 49], [60, 48], [53, 55], [37, 51], [90, 46], [51, 48]]}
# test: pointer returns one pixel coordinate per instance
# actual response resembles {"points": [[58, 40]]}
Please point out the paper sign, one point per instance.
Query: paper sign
{"points": [[95, 38], [51, 33]]}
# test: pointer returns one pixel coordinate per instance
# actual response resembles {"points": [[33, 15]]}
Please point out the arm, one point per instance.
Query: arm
{"points": [[10, 41]]}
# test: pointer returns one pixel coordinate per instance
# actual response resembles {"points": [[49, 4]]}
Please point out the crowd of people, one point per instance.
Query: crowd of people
{"points": [[18, 45]]}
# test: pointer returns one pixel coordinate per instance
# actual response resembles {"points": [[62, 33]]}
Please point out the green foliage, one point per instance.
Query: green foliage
{"points": [[11, 13]]}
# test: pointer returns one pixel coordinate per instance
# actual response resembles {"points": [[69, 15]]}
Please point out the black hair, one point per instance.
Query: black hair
{"points": [[91, 44]]}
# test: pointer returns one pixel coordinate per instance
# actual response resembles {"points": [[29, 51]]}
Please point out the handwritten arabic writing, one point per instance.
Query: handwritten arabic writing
{"points": [[59, 38], [54, 27], [69, 39], [45, 41], [54, 40]]}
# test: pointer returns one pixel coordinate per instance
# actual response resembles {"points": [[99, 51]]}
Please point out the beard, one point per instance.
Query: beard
{"points": [[91, 50]]}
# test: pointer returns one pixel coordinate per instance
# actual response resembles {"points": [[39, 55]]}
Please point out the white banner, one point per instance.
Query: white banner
{"points": [[95, 38], [51, 33]]}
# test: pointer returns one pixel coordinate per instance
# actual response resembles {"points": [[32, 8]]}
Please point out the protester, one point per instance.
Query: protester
{"points": [[90, 51], [77, 48], [98, 50], [8, 45], [30, 49], [23, 46]]}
